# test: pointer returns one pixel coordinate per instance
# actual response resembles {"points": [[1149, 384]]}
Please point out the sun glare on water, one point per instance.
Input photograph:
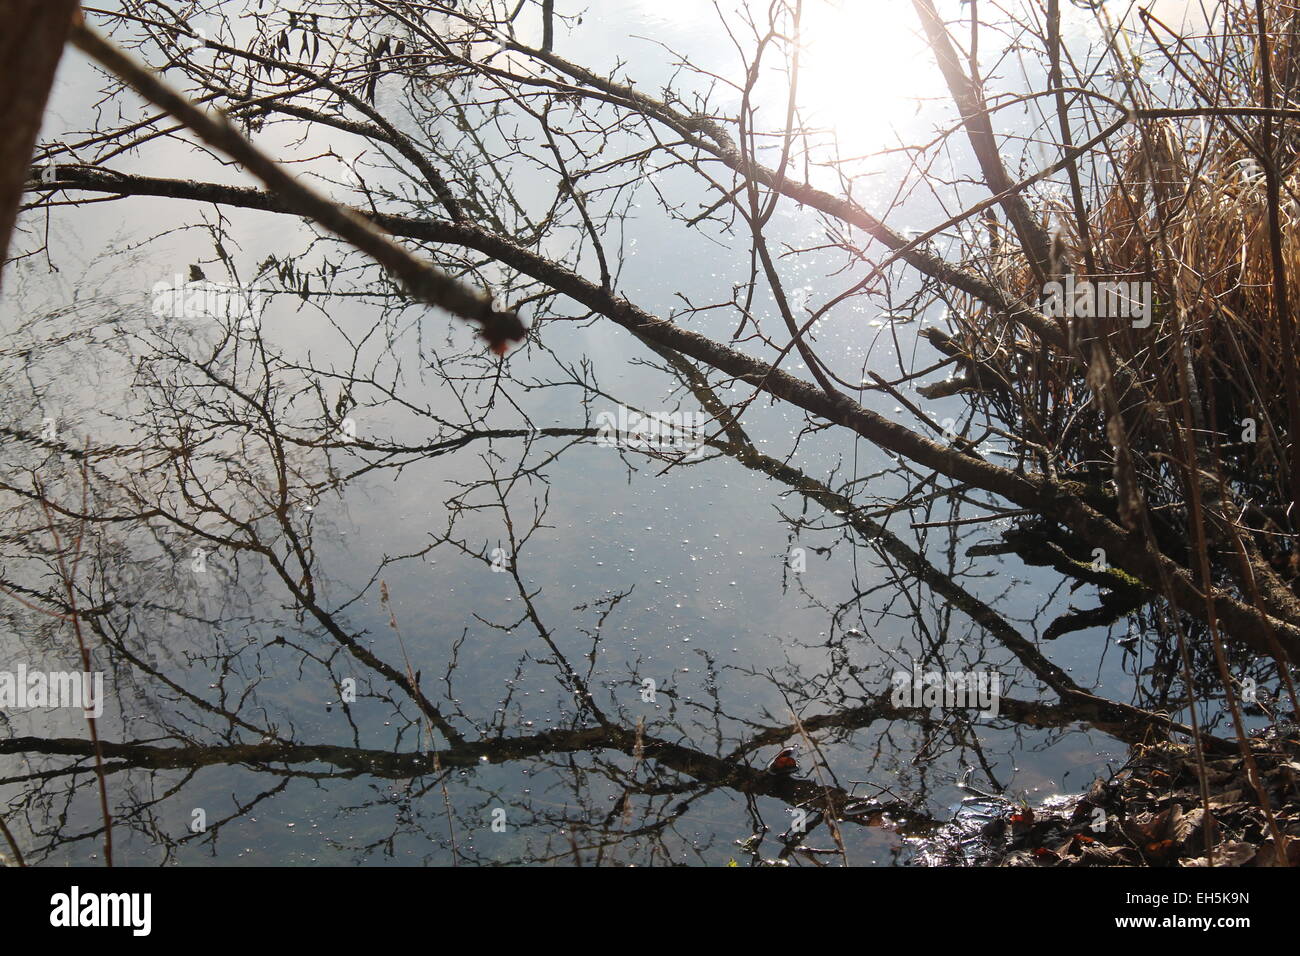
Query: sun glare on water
{"points": [[863, 70], [863, 65]]}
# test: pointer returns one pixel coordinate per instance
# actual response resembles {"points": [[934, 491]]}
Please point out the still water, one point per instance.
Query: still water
{"points": [[609, 646]]}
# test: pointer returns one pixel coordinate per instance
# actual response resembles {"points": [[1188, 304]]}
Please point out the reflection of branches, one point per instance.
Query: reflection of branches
{"points": [[422, 281], [67, 573], [1113, 714], [1067, 502], [276, 474]]}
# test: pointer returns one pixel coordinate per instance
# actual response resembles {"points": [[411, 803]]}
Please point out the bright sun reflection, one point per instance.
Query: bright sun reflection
{"points": [[864, 68]]}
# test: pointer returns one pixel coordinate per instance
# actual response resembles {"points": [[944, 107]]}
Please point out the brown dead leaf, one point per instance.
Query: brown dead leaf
{"points": [[1269, 856], [1226, 854], [1188, 827], [1153, 827], [1226, 798], [1097, 854]]}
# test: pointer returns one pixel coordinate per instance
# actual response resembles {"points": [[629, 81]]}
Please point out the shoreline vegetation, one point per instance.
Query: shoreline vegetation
{"points": [[1148, 813]]}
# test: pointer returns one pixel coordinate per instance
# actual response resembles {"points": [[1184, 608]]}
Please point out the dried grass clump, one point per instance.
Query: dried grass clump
{"points": [[1209, 392], [1195, 222]]}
